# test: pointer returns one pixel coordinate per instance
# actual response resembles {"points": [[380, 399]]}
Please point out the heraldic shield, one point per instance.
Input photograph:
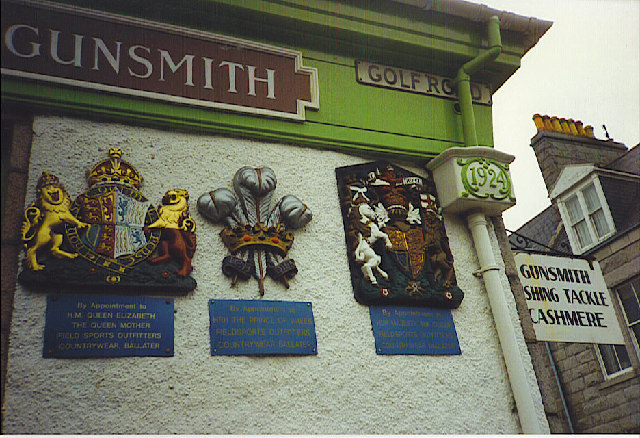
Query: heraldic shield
{"points": [[112, 233], [396, 241]]}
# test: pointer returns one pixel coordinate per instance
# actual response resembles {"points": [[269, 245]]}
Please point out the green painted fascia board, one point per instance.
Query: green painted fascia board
{"points": [[314, 132], [382, 32], [344, 101]]}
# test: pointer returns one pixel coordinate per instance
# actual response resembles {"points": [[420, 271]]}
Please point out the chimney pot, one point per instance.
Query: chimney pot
{"points": [[588, 130], [537, 119], [572, 126]]}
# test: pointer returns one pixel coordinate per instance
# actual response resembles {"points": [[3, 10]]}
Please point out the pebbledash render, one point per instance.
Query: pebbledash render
{"points": [[193, 96]]}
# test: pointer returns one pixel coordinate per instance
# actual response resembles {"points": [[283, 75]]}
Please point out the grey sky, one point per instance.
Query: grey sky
{"points": [[585, 67]]}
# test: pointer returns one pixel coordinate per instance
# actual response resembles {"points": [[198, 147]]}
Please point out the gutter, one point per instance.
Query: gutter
{"points": [[531, 28]]}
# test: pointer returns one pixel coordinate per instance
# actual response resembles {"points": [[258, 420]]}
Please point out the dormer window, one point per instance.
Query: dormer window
{"points": [[586, 216]]}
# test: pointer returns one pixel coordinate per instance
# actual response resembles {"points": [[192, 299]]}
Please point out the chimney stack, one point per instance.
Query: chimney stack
{"points": [[561, 142]]}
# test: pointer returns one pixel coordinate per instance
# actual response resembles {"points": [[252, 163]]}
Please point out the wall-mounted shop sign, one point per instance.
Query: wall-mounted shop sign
{"points": [[416, 82], [568, 300], [108, 326], [104, 52], [251, 327], [413, 330]]}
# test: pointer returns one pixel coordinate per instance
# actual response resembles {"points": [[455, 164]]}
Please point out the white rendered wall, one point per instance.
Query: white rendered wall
{"points": [[345, 389]]}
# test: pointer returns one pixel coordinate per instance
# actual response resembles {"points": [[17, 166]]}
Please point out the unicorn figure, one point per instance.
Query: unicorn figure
{"points": [[364, 252]]}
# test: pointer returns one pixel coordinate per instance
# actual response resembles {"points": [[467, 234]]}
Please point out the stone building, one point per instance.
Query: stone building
{"points": [[188, 93], [594, 188]]}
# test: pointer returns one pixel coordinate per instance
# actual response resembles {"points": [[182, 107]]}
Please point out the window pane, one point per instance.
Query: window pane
{"points": [[636, 332], [574, 209], [614, 357], [591, 198], [629, 298], [582, 233], [600, 223], [623, 357], [609, 359]]}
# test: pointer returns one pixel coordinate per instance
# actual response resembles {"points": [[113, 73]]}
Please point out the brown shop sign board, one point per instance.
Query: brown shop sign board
{"points": [[568, 300], [99, 51]]}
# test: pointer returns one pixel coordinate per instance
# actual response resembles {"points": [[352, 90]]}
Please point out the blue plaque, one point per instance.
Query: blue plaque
{"points": [[108, 326], [413, 330], [251, 327]]}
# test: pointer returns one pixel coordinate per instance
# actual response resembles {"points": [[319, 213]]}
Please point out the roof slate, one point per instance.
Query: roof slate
{"points": [[543, 229], [628, 162]]}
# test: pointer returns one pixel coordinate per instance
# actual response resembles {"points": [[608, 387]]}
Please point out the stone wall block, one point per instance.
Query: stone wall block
{"points": [[592, 378], [611, 414], [597, 405], [576, 385], [574, 349], [568, 363], [594, 367], [582, 423], [590, 393], [585, 356], [632, 392], [577, 399], [560, 354], [585, 367], [627, 423]]}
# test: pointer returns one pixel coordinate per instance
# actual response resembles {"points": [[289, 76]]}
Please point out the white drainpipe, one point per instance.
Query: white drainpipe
{"points": [[490, 271], [460, 191]]}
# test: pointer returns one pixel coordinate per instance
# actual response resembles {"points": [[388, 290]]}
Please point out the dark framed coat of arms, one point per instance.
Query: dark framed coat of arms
{"points": [[396, 241], [110, 237]]}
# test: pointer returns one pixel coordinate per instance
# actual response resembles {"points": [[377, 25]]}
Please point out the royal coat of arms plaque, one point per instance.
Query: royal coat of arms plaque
{"points": [[111, 236], [396, 241]]}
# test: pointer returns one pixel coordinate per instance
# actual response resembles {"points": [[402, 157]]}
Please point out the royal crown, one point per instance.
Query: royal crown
{"points": [[47, 179], [114, 169], [256, 237]]}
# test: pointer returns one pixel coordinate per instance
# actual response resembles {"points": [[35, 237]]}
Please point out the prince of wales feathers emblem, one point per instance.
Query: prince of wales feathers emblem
{"points": [[397, 245], [256, 234], [118, 230]]}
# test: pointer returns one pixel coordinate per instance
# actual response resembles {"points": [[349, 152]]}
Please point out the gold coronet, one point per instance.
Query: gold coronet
{"points": [[47, 179], [256, 237], [114, 169]]}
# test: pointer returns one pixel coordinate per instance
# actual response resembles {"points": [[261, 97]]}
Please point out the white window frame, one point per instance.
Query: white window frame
{"points": [[606, 375], [634, 340], [564, 214]]}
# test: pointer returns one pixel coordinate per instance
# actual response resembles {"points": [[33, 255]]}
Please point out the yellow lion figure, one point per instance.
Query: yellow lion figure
{"points": [[44, 219], [174, 211], [178, 240]]}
